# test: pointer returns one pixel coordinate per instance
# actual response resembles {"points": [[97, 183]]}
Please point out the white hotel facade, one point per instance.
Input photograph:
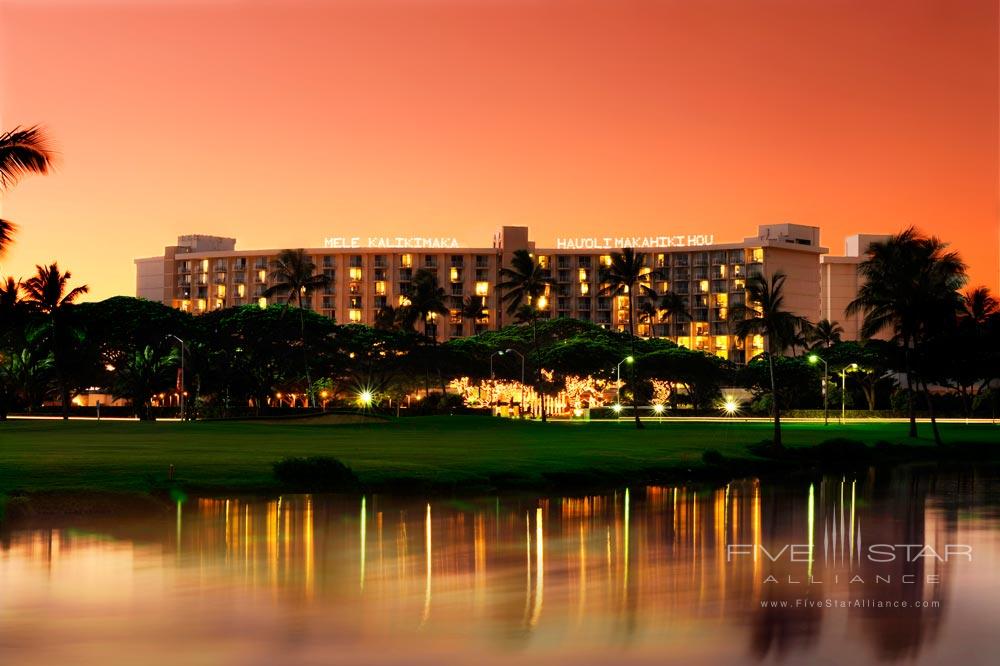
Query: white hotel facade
{"points": [[202, 273]]}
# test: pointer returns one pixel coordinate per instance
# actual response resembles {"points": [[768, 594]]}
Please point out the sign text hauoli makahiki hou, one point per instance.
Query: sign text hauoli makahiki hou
{"points": [[618, 242], [563, 243]]}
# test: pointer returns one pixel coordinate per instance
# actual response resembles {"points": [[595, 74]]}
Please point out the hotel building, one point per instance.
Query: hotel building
{"points": [[202, 273]]}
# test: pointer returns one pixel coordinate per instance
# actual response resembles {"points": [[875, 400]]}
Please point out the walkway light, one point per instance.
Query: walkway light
{"points": [[730, 405], [814, 359], [365, 398], [658, 408], [616, 408]]}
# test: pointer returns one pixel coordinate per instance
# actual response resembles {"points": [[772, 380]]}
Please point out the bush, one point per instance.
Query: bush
{"points": [[766, 448], [713, 458], [320, 473]]}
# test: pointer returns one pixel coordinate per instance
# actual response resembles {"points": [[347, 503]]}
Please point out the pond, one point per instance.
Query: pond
{"points": [[904, 567]]}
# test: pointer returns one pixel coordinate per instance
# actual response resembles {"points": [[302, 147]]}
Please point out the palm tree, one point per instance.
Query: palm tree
{"points": [[647, 312], [910, 288], [627, 275], [22, 151], [143, 373], [47, 292], [472, 308], [979, 306], [26, 374], [294, 274], [427, 299], [767, 317], [825, 333], [674, 307], [524, 282]]}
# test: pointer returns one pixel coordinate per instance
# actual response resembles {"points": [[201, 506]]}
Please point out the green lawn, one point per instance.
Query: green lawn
{"points": [[129, 456]]}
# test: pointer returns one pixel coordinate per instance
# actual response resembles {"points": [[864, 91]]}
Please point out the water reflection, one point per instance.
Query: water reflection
{"points": [[691, 573]]}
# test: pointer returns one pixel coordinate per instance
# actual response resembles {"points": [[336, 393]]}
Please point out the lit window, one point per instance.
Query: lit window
{"points": [[584, 288], [403, 300], [200, 304], [380, 288], [204, 265], [757, 254], [220, 291], [262, 302], [543, 261], [261, 275], [355, 315], [605, 259], [758, 342], [355, 273], [406, 261], [583, 275], [703, 285], [482, 288], [241, 290], [219, 304], [185, 305], [542, 302]]}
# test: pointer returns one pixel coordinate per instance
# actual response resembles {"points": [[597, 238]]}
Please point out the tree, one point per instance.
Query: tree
{"points": [[910, 289], [142, 374], [472, 308], [524, 282], [767, 317], [628, 276], [48, 292], [647, 312], [294, 274], [824, 333], [426, 300], [23, 151], [24, 375]]}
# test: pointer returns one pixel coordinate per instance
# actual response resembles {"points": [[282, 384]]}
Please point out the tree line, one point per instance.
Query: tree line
{"points": [[922, 334]]}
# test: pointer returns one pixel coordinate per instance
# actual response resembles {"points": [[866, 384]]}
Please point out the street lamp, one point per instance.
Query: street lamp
{"points": [[814, 359], [183, 402], [843, 390], [514, 351], [618, 377]]}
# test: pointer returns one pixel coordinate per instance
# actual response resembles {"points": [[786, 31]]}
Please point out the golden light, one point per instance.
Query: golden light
{"points": [[542, 302], [658, 408], [616, 408], [730, 405], [278, 395], [577, 412], [324, 394], [365, 398]]}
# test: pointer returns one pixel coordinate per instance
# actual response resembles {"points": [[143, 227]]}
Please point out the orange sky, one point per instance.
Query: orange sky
{"points": [[280, 123]]}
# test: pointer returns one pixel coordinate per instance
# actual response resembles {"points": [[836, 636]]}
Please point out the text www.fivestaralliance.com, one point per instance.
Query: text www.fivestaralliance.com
{"points": [[849, 603]]}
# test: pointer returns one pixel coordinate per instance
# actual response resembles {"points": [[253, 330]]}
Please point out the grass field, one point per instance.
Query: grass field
{"points": [[452, 451]]}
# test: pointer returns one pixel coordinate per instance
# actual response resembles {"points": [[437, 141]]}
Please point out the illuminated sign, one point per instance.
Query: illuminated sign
{"points": [[390, 242], [610, 242]]}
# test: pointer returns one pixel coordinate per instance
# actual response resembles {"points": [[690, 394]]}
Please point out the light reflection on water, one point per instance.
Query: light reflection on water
{"points": [[639, 575]]}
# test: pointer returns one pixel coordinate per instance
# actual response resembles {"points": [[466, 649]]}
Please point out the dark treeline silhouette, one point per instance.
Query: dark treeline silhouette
{"points": [[919, 326]]}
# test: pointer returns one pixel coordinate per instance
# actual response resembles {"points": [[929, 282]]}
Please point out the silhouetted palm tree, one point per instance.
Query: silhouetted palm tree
{"points": [[48, 291], [142, 374], [647, 312], [294, 274], [824, 333], [910, 288], [426, 300], [979, 306], [674, 307], [524, 282], [472, 308], [628, 276], [22, 151], [766, 316]]}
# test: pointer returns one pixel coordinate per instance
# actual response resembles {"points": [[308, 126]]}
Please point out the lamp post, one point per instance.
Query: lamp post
{"points": [[183, 401], [843, 390], [814, 358], [618, 378], [514, 351]]}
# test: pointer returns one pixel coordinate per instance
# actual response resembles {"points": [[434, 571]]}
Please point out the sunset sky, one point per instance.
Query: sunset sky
{"points": [[281, 122]]}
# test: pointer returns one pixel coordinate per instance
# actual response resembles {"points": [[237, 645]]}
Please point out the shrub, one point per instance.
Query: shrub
{"points": [[766, 448], [712, 458], [320, 473]]}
